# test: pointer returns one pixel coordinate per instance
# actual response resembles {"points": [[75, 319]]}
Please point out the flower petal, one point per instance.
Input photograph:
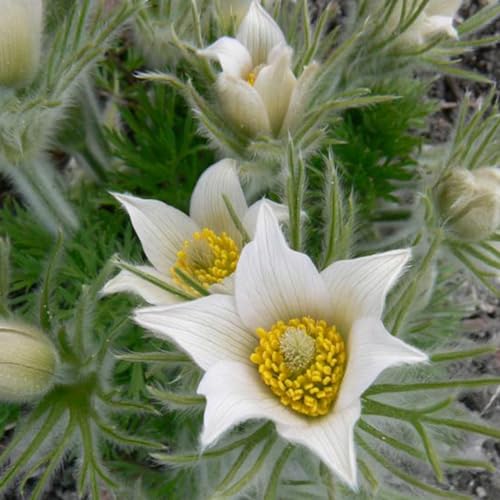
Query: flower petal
{"points": [[250, 220], [208, 329], [126, 281], [233, 57], [274, 282], [371, 349], [235, 393], [299, 97], [162, 229], [435, 25], [358, 287], [332, 439], [275, 84], [242, 104], [259, 33], [442, 7], [208, 208]]}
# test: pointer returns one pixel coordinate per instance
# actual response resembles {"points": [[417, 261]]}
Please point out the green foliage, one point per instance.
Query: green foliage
{"points": [[380, 142]]}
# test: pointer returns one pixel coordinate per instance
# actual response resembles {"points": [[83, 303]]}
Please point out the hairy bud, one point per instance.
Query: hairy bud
{"points": [[27, 362], [20, 41], [469, 203]]}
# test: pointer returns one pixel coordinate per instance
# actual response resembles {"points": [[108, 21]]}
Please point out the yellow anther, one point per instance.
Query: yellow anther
{"points": [[251, 78], [303, 362], [208, 258]]}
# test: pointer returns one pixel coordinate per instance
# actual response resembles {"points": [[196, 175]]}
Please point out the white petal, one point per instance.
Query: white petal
{"points": [[442, 7], [371, 349], [332, 439], [208, 208], [299, 97], [125, 281], [162, 229], [235, 393], [275, 84], [435, 25], [208, 329], [233, 57], [250, 220], [274, 282], [358, 287], [226, 287], [242, 104], [259, 33]]}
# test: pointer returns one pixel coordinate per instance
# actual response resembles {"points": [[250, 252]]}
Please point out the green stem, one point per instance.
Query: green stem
{"points": [[406, 299], [272, 487], [244, 454], [55, 460], [40, 436], [154, 357], [245, 479], [425, 386], [464, 425], [245, 237], [257, 436], [191, 282], [456, 355], [381, 460], [153, 280]]}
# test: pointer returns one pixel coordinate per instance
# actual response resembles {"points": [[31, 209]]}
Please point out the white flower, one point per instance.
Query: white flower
{"points": [[20, 40], [257, 89], [436, 18], [205, 245], [322, 343]]}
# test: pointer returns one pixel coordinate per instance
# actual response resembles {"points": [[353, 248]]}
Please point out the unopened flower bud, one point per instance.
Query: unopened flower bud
{"points": [[20, 41], [469, 203], [27, 362]]}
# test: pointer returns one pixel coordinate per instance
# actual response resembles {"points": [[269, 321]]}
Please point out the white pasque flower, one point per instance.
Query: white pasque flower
{"points": [[293, 345], [205, 245], [257, 89], [20, 40], [435, 19]]}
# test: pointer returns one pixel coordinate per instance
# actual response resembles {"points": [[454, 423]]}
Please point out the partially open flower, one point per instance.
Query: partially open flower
{"points": [[469, 203], [436, 18], [257, 89], [205, 245], [27, 362], [20, 41], [293, 345]]}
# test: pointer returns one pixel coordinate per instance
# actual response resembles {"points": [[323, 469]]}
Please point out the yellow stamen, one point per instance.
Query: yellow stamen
{"points": [[208, 258], [251, 78], [303, 362]]}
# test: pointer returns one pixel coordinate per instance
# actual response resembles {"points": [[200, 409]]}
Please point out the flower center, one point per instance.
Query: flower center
{"points": [[252, 76], [208, 258], [303, 362]]}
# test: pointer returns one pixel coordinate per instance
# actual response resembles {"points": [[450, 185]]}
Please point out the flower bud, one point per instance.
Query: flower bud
{"points": [[469, 203], [435, 18], [20, 41], [27, 362]]}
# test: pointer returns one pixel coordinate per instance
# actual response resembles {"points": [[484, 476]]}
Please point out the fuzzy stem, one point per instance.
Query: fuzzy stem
{"points": [[32, 448], [4, 276], [55, 460], [35, 181], [253, 470], [272, 487], [399, 312], [381, 460], [257, 436]]}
